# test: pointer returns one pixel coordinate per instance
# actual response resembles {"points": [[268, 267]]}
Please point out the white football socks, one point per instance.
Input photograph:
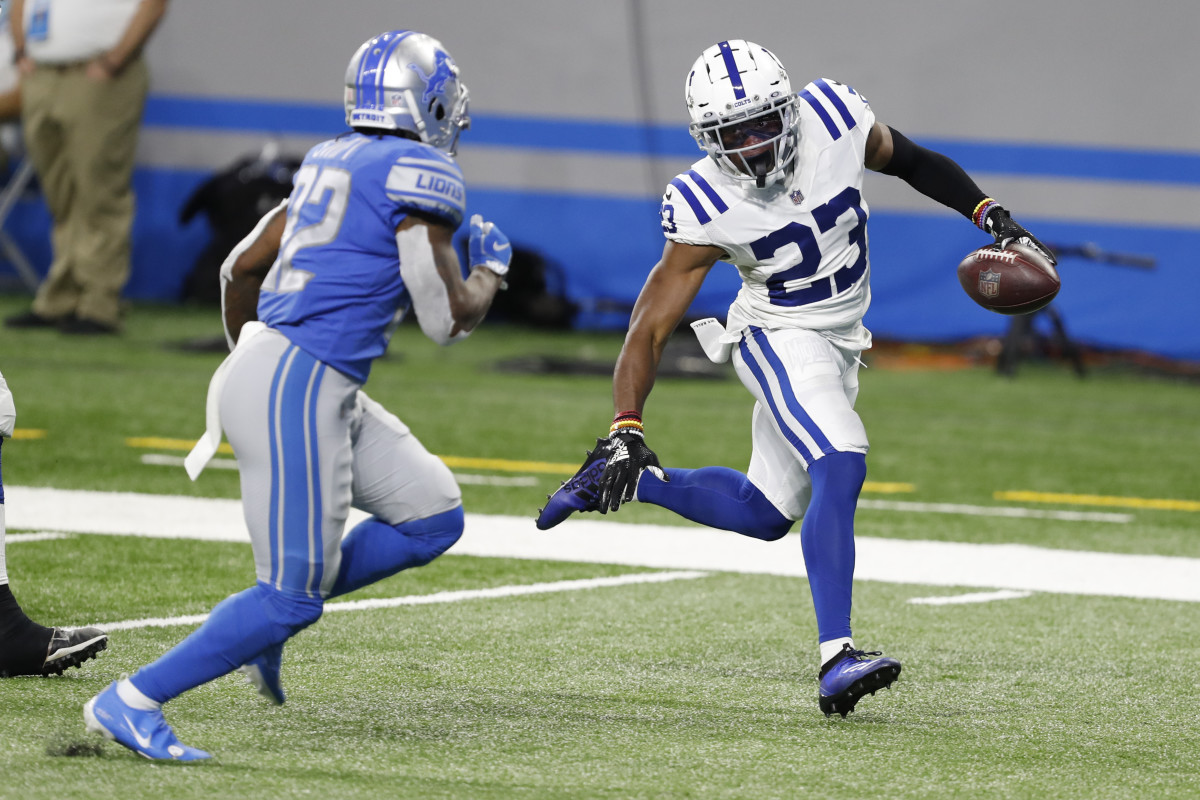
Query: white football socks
{"points": [[833, 647], [132, 696]]}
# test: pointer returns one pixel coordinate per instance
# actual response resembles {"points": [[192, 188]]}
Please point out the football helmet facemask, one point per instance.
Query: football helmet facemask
{"points": [[743, 111], [406, 81]]}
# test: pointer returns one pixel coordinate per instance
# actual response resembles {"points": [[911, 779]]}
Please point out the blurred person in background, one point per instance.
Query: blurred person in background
{"points": [[27, 648], [10, 92], [83, 88]]}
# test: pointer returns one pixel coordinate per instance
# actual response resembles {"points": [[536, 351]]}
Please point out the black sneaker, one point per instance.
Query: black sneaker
{"points": [[581, 493], [82, 326], [70, 647], [30, 319], [850, 675]]}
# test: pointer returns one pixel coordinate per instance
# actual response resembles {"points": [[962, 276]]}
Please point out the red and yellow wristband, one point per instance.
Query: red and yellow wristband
{"points": [[627, 422]]}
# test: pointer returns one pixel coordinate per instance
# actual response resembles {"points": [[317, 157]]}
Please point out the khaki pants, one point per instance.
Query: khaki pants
{"points": [[81, 136]]}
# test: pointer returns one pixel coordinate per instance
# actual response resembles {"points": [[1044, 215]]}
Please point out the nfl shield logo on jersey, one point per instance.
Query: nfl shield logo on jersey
{"points": [[797, 197], [989, 283]]}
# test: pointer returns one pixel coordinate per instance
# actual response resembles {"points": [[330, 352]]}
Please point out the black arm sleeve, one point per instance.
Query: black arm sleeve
{"points": [[933, 175]]}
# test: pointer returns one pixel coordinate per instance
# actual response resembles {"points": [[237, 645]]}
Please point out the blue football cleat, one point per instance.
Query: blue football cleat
{"points": [[263, 673], [581, 493], [851, 674], [144, 732]]}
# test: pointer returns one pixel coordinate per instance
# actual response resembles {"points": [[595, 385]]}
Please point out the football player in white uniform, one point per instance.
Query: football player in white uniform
{"points": [[779, 196]]}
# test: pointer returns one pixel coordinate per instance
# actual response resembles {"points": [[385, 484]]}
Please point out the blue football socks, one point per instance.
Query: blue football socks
{"points": [[237, 629], [827, 537], [373, 550], [718, 497]]}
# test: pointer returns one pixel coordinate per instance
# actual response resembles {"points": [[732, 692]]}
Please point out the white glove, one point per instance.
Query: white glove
{"points": [[8, 411]]}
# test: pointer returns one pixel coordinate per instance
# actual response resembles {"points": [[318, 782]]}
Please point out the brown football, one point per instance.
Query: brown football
{"points": [[1015, 280]]}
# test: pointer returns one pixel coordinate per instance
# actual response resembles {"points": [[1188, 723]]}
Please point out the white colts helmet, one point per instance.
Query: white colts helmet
{"points": [[743, 111], [406, 81]]}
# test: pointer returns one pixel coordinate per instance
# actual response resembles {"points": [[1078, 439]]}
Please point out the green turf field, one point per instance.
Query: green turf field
{"points": [[692, 688]]}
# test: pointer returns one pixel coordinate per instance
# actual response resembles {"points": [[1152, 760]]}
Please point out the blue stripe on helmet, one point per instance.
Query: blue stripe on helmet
{"points": [[735, 77], [830, 125], [828, 91], [379, 104], [367, 64], [709, 192], [701, 215]]}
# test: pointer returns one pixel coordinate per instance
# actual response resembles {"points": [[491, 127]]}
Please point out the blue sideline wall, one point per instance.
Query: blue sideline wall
{"points": [[1083, 124]]}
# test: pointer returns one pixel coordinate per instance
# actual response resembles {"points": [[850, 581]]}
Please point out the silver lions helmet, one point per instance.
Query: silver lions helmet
{"points": [[743, 111], [406, 81]]}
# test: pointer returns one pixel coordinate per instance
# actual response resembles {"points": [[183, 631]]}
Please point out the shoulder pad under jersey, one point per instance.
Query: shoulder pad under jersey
{"points": [[839, 108]]}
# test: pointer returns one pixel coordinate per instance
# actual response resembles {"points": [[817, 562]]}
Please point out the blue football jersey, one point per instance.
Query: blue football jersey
{"points": [[335, 288]]}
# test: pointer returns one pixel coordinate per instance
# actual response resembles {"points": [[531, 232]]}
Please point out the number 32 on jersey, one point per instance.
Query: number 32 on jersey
{"points": [[314, 218]]}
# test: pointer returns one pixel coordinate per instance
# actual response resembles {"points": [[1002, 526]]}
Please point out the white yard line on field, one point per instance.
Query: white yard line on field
{"points": [[586, 538], [36, 536], [994, 511], [441, 597], [973, 597]]}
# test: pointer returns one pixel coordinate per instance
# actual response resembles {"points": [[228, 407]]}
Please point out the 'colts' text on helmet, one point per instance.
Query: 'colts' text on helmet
{"points": [[743, 111], [406, 81]]}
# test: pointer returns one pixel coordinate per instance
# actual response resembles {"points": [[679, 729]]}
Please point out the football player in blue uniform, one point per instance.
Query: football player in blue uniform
{"points": [[27, 648], [779, 196], [365, 235]]}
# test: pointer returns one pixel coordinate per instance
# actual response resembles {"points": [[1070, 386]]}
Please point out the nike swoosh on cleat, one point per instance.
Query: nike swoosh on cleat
{"points": [[144, 741]]}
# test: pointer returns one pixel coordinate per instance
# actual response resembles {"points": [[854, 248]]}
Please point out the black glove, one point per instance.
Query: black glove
{"points": [[1000, 224], [627, 457]]}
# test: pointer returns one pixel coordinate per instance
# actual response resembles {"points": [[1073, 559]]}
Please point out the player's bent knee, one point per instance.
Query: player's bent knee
{"points": [[763, 520], [839, 473], [434, 535], [291, 611]]}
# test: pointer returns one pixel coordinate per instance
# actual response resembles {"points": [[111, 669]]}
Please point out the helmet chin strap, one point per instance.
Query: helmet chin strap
{"points": [[760, 173]]}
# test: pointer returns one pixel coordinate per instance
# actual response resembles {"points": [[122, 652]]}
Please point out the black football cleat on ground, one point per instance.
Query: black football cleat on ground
{"points": [[851, 675], [70, 647]]}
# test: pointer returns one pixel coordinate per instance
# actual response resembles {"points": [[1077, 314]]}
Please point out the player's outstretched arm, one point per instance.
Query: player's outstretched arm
{"points": [[245, 268], [447, 306], [941, 178], [664, 299]]}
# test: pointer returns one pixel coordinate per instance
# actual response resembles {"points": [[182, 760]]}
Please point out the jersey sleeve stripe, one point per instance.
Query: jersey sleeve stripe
{"points": [[828, 91], [430, 166], [709, 191], [830, 125], [735, 76], [697, 207]]}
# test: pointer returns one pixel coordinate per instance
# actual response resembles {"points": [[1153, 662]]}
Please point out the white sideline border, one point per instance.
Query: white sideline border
{"points": [[982, 566]]}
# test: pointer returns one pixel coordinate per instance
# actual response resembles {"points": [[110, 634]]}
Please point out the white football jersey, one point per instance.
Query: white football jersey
{"points": [[800, 244]]}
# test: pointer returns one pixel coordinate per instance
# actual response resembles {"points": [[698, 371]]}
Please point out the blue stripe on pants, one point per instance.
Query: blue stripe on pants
{"points": [[789, 398], [294, 527]]}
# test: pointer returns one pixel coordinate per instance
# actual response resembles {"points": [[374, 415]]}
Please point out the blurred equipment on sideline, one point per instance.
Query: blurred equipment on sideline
{"points": [[537, 293], [233, 201], [1022, 340]]}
